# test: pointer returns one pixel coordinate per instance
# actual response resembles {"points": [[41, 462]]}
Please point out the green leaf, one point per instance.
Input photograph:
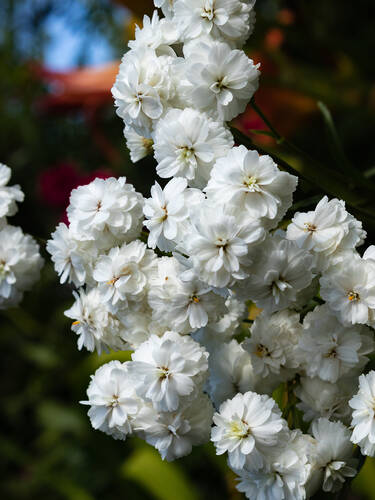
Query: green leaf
{"points": [[369, 172], [164, 480], [334, 141], [262, 132], [364, 482], [278, 394]]}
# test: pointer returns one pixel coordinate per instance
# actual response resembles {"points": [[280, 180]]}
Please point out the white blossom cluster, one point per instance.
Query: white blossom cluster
{"points": [[177, 293], [20, 260]]}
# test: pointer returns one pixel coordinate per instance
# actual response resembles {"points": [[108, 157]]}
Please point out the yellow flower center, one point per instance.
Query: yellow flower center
{"points": [[239, 429], [309, 228], [353, 296], [261, 351]]}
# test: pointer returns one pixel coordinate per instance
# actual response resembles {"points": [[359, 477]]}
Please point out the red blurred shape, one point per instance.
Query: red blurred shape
{"points": [[87, 88], [56, 183], [274, 38], [286, 17]]}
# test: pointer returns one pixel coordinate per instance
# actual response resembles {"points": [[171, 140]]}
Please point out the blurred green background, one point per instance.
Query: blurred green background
{"points": [[58, 60]]}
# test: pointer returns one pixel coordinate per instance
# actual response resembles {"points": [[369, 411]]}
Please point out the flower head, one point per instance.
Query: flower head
{"points": [[167, 369], [246, 427]]}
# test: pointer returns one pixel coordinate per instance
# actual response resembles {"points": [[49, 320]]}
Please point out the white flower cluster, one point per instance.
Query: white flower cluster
{"points": [[20, 260], [175, 293]]}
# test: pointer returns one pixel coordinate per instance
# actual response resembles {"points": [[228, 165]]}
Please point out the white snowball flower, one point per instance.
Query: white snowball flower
{"points": [[112, 400], [73, 258], [96, 327], [215, 334], [369, 254], [320, 398], [139, 146], [348, 288], [334, 452], [167, 369], [184, 306], [330, 349], [283, 476], [20, 264], [220, 80], [281, 270], [9, 195], [155, 34], [273, 344], [144, 87], [218, 247], [247, 427], [138, 325], [174, 434], [187, 144], [251, 184], [168, 211], [363, 417], [123, 273], [166, 6], [108, 211], [230, 372], [226, 20], [327, 229]]}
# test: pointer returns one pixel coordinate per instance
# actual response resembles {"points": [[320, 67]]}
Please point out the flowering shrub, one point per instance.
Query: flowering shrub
{"points": [[20, 260], [177, 293]]}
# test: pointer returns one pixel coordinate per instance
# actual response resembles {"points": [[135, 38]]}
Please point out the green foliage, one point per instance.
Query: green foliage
{"points": [[162, 479]]}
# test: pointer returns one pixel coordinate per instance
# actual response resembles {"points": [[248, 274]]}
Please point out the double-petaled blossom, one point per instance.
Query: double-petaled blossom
{"points": [[220, 306]]}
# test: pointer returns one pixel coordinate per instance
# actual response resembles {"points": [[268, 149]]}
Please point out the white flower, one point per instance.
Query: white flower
{"points": [[321, 398], [138, 325], [155, 34], [174, 434], [113, 403], [363, 421], [348, 288], [327, 229], [108, 211], [330, 350], [251, 184], [167, 369], [143, 89], [283, 476], [220, 80], [184, 306], [226, 20], [187, 144], [369, 254], [246, 427], [167, 212], [280, 271], [122, 274], [20, 264], [218, 247], [273, 343], [166, 6], [334, 452], [9, 195], [215, 334], [230, 372], [139, 146], [96, 327], [73, 258]]}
